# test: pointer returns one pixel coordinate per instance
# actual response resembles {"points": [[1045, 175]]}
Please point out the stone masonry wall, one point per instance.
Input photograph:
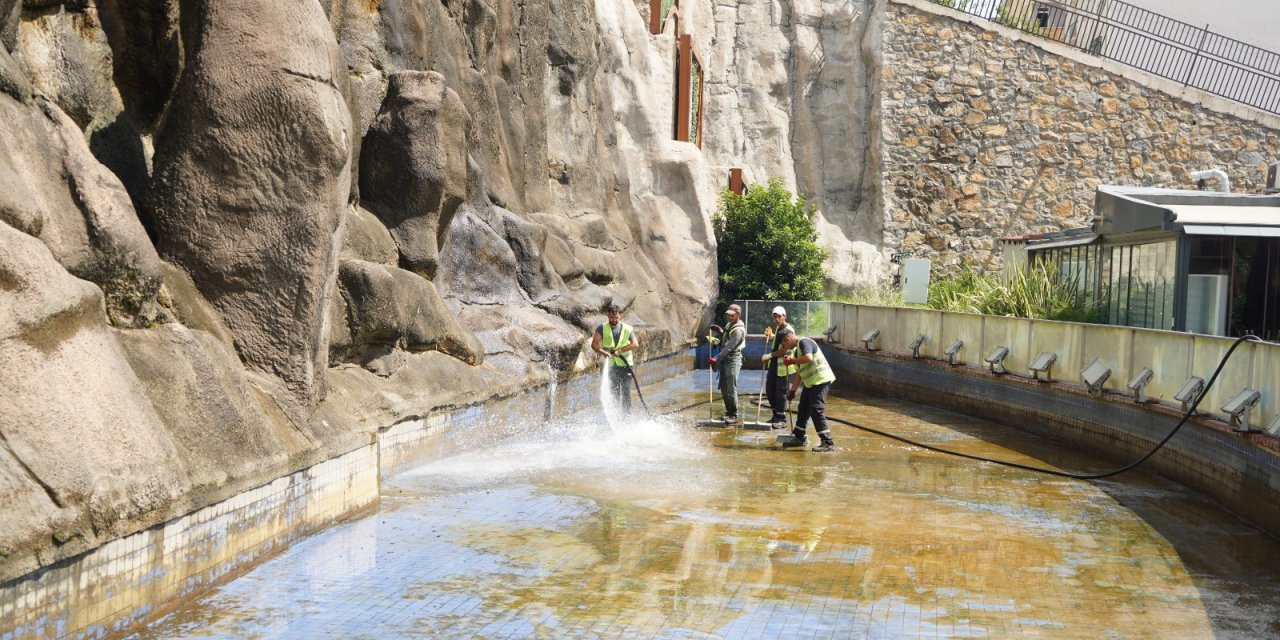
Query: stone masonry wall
{"points": [[988, 132]]}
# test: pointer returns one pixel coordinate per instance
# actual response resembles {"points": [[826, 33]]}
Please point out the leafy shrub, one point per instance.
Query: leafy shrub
{"points": [[768, 245]]}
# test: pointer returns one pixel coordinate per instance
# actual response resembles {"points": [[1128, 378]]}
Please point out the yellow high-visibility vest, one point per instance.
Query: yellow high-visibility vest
{"points": [[783, 370], [624, 339], [817, 371], [739, 326]]}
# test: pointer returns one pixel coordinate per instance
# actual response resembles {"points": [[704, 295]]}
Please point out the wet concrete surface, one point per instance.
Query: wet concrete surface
{"points": [[654, 529]]}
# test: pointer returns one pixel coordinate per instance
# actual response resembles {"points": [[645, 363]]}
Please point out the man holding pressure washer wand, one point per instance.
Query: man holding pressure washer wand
{"points": [[616, 339]]}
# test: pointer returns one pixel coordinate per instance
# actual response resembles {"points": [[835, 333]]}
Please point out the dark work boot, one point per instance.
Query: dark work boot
{"points": [[825, 447]]}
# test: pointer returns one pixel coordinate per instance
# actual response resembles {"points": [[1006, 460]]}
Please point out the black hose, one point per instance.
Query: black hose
{"points": [[1066, 474], [636, 380]]}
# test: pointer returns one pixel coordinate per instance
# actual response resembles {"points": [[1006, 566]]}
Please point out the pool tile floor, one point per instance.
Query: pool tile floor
{"points": [[660, 530]]}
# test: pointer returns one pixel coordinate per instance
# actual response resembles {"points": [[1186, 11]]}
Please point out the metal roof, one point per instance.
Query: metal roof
{"points": [[1067, 241], [1229, 230], [1122, 210], [1216, 214]]}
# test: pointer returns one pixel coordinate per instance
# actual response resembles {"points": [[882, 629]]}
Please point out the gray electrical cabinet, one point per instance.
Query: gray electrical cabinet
{"points": [[915, 280]]}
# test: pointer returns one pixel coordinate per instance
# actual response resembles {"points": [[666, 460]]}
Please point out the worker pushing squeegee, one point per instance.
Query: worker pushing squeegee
{"points": [[775, 375], [730, 361], [730, 364]]}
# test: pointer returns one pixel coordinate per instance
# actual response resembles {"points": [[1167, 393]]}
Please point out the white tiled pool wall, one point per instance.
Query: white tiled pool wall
{"points": [[106, 590]]}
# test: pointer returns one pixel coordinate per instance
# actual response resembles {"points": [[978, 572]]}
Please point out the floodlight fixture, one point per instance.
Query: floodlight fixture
{"points": [[1189, 393], [1138, 385], [1095, 375], [868, 339], [954, 350], [916, 345], [1237, 408], [1273, 429], [996, 359], [1043, 364]]}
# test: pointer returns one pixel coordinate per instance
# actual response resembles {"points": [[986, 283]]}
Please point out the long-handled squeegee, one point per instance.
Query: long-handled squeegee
{"points": [[712, 341], [757, 425]]}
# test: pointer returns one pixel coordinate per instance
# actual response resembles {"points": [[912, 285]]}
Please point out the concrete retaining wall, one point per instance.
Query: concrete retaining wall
{"points": [[988, 132], [1242, 470], [1173, 356], [129, 579]]}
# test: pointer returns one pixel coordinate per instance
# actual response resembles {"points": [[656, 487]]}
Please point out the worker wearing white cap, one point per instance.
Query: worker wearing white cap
{"points": [[784, 340]]}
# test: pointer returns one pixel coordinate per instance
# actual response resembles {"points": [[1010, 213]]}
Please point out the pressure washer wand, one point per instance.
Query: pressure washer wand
{"points": [[636, 380]]}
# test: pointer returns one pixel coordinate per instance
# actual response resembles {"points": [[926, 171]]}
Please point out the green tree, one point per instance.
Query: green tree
{"points": [[768, 245]]}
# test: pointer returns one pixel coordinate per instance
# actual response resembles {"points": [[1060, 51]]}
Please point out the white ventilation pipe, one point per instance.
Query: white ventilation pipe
{"points": [[1224, 183]]}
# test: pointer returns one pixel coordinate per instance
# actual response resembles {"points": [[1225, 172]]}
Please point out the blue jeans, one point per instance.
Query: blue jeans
{"points": [[729, 365]]}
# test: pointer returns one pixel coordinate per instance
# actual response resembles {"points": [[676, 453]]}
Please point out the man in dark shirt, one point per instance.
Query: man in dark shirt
{"points": [[730, 361], [815, 374], [784, 340]]}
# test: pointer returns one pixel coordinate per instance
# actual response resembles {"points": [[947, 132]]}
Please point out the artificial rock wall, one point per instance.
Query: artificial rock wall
{"points": [[239, 237], [988, 132], [792, 93]]}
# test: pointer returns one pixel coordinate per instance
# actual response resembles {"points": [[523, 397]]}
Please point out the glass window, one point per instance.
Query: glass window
{"points": [[1042, 17], [1139, 284], [1253, 286], [1106, 288], [1210, 256]]}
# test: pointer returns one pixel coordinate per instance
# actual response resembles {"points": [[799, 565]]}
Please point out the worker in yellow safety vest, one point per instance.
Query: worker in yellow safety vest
{"points": [[784, 340], [616, 340], [815, 374]]}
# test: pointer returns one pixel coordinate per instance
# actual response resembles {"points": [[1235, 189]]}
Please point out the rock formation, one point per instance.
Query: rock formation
{"points": [[238, 236], [797, 98], [52, 187], [413, 165], [252, 177]]}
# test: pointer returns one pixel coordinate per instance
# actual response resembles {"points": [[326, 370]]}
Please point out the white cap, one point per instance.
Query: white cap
{"points": [[779, 311]]}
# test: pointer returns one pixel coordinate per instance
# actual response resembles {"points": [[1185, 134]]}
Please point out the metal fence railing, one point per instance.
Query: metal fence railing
{"points": [[1146, 40], [808, 318]]}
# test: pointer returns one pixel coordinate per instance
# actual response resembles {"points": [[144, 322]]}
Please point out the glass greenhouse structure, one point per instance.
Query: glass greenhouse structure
{"points": [[1197, 261]]}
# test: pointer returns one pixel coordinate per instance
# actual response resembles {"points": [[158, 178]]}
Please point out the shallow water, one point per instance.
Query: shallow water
{"points": [[650, 528]]}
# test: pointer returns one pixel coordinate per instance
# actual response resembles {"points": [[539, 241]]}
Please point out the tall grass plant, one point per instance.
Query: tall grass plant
{"points": [[876, 296], [1039, 292]]}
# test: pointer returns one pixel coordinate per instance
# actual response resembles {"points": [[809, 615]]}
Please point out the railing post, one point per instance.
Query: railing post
{"points": [[1094, 45], [1199, 47]]}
